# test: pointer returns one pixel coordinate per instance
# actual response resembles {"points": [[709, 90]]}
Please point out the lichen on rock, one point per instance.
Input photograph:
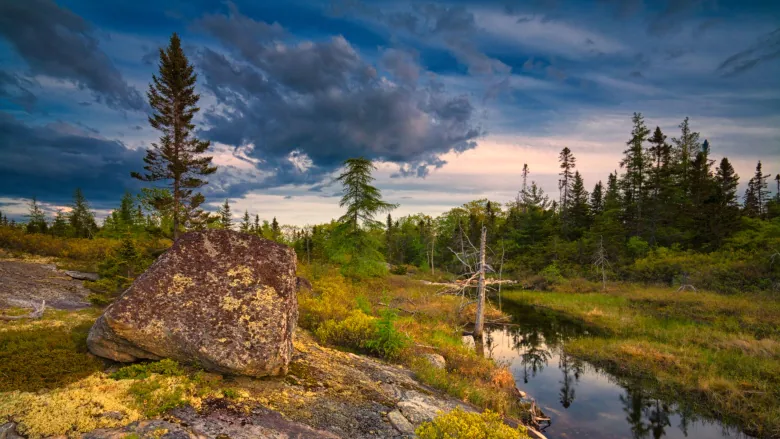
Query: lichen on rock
{"points": [[219, 298]]}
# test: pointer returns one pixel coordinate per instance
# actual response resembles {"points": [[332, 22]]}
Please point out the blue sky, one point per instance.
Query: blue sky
{"points": [[450, 98]]}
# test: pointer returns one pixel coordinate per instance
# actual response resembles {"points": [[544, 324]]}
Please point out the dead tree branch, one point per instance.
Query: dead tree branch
{"points": [[36, 313]]}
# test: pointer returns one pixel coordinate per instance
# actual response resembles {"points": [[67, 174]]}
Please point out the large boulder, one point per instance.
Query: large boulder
{"points": [[218, 298]]}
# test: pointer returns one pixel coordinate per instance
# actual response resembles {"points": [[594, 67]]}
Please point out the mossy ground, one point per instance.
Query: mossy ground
{"points": [[719, 353]]}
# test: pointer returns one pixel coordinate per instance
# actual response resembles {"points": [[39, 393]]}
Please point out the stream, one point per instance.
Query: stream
{"points": [[582, 400]]}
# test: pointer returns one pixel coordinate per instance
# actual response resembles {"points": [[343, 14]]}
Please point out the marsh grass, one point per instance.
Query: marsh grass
{"points": [[719, 353]]}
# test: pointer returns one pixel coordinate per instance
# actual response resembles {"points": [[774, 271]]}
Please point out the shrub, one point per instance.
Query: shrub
{"points": [[351, 332], [329, 299], [637, 247], [388, 341], [399, 270], [459, 424]]}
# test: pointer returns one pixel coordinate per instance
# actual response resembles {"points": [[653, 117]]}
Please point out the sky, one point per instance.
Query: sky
{"points": [[449, 99]]}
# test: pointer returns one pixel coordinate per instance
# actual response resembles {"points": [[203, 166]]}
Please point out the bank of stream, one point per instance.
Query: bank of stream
{"points": [[583, 400]]}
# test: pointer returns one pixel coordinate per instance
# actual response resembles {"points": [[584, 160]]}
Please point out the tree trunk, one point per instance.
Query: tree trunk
{"points": [[480, 319], [176, 208]]}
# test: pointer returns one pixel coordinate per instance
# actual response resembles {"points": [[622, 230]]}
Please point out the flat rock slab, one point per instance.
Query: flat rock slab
{"points": [[23, 283]]}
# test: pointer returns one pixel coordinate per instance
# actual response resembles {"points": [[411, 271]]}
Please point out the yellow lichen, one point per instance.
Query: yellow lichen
{"points": [[241, 275], [230, 303], [264, 296], [70, 410], [180, 283]]}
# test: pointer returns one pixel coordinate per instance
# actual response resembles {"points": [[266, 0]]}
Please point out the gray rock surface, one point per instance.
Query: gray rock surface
{"points": [[222, 299], [23, 283], [436, 360]]}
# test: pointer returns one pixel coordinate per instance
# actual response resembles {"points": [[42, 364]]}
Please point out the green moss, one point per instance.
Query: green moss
{"points": [[166, 367], [46, 353]]}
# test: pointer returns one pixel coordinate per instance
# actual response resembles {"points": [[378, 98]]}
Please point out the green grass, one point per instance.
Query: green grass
{"points": [[47, 353], [720, 353]]}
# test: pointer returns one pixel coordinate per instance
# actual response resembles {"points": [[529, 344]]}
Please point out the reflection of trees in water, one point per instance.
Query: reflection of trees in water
{"points": [[649, 416], [532, 350], [571, 369]]}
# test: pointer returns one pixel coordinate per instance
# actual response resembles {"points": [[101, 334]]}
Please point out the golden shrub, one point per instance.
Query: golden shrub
{"points": [[459, 424]]}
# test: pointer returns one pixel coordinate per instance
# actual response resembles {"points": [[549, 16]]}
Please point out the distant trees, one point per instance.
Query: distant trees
{"points": [[36, 219], [81, 218], [225, 217], [756, 194], [178, 156]]}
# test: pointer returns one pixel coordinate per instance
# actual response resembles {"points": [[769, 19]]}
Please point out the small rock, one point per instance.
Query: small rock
{"points": [[8, 431], [521, 394], [117, 416], [81, 275], [436, 360], [400, 423]]}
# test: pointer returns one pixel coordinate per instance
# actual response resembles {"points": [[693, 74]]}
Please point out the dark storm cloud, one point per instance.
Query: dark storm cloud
{"points": [[56, 42], [17, 90], [452, 25], [765, 49], [401, 64], [57, 158], [307, 107]]}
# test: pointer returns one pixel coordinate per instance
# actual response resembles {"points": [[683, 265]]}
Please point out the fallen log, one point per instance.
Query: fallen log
{"points": [[36, 313]]}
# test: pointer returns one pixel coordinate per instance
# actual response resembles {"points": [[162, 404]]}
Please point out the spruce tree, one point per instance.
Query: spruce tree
{"points": [[81, 219], [276, 231], [59, 226], [634, 181], [726, 216], [246, 223], [703, 199], [756, 194], [362, 200], [225, 217], [567, 165], [662, 187], [256, 227], [579, 210], [36, 222], [178, 156], [597, 199]]}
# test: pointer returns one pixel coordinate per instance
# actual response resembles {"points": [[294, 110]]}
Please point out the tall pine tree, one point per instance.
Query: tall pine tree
{"points": [[727, 211], [634, 181], [178, 156]]}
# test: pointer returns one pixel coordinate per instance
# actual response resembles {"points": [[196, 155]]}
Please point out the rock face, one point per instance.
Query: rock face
{"points": [[218, 298]]}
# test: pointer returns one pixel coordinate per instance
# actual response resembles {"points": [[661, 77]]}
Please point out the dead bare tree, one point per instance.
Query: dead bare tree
{"points": [[601, 262], [36, 313], [479, 321], [684, 284]]}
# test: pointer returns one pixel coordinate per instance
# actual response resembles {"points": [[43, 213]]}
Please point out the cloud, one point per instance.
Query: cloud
{"points": [[765, 49], [304, 108], [58, 43], [17, 90], [452, 26], [50, 161], [401, 64]]}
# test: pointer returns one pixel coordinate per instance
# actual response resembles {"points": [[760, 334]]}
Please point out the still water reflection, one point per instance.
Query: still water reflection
{"points": [[582, 400]]}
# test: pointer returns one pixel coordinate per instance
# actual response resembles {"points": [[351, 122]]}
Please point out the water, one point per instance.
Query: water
{"points": [[582, 400]]}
